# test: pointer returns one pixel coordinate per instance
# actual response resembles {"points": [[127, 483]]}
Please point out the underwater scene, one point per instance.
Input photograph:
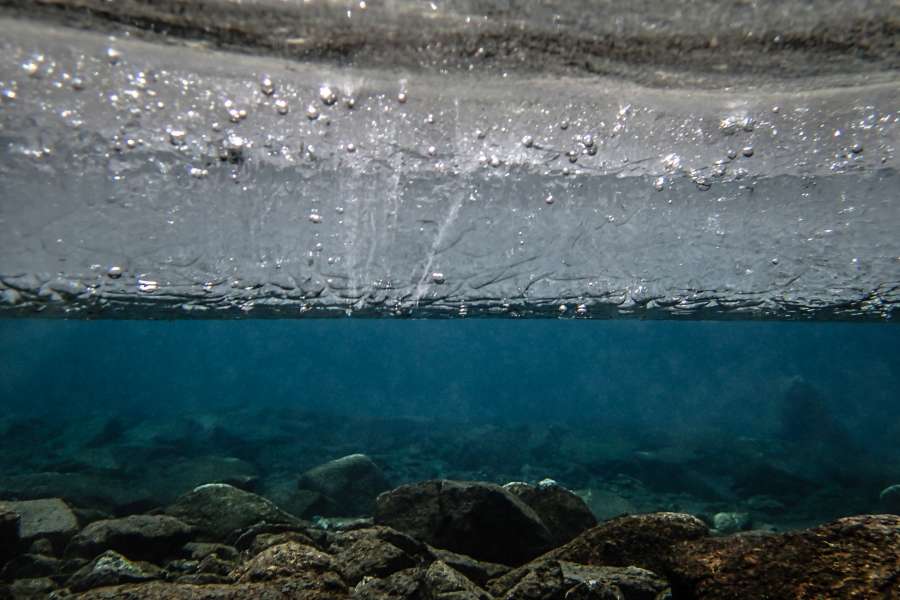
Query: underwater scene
{"points": [[449, 300]]}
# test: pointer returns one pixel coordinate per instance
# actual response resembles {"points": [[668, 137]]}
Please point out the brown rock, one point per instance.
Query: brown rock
{"points": [[445, 583], [111, 568], [482, 520], [478, 571], [547, 579], [565, 514], [37, 588], [856, 557], [640, 540], [140, 537], [376, 552], [402, 585], [315, 570], [281, 590]]}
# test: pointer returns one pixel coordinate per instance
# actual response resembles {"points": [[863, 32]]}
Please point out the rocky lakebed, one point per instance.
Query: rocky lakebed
{"points": [[275, 504]]}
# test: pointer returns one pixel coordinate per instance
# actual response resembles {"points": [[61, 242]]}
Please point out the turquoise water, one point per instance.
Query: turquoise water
{"points": [[697, 416]]}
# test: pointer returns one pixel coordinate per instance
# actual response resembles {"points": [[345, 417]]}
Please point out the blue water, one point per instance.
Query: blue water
{"points": [[529, 399]]}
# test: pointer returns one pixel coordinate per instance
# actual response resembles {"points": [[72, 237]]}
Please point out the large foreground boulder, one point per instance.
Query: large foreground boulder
{"points": [[218, 509], [640, 540], [856, 557], [565, 514], [111, 568], [139, 537], [481, 520], [48, 518], [349, 486]]}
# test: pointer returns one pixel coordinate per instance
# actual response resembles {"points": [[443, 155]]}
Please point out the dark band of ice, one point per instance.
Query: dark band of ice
{"points": [[146, 180]]}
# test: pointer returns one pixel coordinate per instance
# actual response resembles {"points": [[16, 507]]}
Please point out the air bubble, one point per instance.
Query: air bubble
{"points": [[429, 120], [731, 154], [77, 84], [549, 199], [114, 272], [327, 95], [312, 113], [401, 97], [480, 134], [113, 55], [564, 125], [588, 140], [528, 141], [267, 86], [281, 106], [431, 150], [350, 103], [747, 151], [495, 162], [856, 148], [198, 173], [351, 148], [659, 184], [177, 137], [437, 277], [315, 218]]}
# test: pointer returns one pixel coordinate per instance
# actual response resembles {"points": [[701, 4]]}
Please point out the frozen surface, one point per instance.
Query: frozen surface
{"points": [[140, 179]]}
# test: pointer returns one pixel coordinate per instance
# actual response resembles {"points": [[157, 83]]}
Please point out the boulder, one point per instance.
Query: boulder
{"points": [[442, 582], [36, 588], [565, 514], [890, 499], [26, 566], [297, 562], [49, 518], [731, 522], [548, 579], [349, 486], [140, 537], [218, 509], [376, 552], [437, 582], [287, 589], [640, 540], [855, 557], [478, 519], [478, 571], [111, 568]]}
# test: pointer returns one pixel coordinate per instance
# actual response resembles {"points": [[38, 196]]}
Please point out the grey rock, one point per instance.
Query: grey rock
{"points": [[218, 509], [548, 579], [143, 537], [565, 514], [890, 499], [351, 483], [481, 520], [292, 561], [26, 566], [376, 552], [49, 518], [41, 546], [36, 588], [478, 571], [731, 522], [200, 550], [442, 582], [111, 568]]}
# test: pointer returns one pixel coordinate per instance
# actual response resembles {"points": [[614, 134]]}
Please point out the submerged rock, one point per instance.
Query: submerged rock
{"points": [[438, 581], [111, 568], [34, 588], [731, 522], [144, 537], [481, 520], [890, 499], [288, 589], [218, 509], [317, 570], [548, 579], [640, 540], [349, 486], [565, 514], [49, 518], [855, 557], [376, 552]]}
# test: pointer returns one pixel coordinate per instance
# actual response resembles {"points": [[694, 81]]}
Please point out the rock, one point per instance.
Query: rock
{"points": [[41, 546], [481, 520], [318, 571], [855, 557], [640, 540], [445, 583], [286, 589], [890, 499], [437, 582], [479, 572], [9, 533], [258, 537], [218, 509], [200, 550], [565, 514], [140, 537], [111, 568], [49, 518], [29, 566], [549, 579], [731, 522], [351, 483], [37, 588], [376, 552]]}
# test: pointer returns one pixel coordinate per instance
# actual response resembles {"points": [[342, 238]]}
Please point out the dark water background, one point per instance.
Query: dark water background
{"points": [[496, 385]]}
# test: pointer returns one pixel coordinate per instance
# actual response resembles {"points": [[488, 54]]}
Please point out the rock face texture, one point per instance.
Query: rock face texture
{"points": [[640, 540], [349, 485], [218, 509], [481, 520], [855, 557], [111, 568], [145, 537], [565, 514]]}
